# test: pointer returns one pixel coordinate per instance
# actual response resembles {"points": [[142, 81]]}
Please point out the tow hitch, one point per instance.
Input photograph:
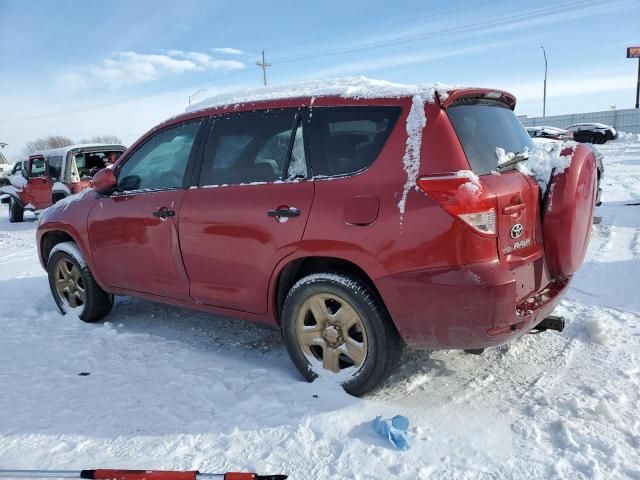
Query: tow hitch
{"points": [[552, 322]]}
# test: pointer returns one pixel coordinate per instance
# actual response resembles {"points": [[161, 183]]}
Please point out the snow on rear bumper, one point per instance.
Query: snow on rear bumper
{"points": [[464, 307]]}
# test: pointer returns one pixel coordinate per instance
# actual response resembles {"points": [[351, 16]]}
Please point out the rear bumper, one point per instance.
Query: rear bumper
{"points": [[467, 307]]}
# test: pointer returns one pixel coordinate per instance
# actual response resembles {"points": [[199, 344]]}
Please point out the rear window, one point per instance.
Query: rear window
{"points": [[482, 126], [345, 140]]}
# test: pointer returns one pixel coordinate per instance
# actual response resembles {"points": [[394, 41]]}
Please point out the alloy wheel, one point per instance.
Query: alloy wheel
{"points": [[329, 330], [69, 283]]}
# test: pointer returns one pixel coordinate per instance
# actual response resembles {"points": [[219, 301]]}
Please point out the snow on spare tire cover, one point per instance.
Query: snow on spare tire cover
{"points": [[568, 213]]}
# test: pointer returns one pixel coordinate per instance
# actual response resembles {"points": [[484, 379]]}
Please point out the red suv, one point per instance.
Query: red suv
{"points": [[355, 223]]}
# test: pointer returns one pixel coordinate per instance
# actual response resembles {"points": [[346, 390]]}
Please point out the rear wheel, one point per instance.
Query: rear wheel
{"points": [[16, 212], [333, 325], [73, 286]]}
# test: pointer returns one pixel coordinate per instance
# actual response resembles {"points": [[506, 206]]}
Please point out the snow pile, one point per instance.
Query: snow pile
{"points": [[416, 121], [544, 159], [469, 189], [348, 87]]}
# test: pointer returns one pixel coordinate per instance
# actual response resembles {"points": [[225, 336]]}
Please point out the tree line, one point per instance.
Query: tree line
{"points": [[58, 141]]}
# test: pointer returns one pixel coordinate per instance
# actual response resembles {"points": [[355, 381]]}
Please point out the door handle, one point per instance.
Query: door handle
{"points": [[164, 212], [511, 209], [284, 212]]}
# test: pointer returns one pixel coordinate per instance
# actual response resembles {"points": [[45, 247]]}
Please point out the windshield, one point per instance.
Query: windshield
{"points": [[484, 125]]}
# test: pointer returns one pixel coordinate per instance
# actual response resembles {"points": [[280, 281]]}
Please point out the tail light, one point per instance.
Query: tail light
{"points": [[464, 196]]}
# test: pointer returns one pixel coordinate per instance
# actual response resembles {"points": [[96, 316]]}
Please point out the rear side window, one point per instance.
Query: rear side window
{"points": [[55, 166], [484, 125], [253, 147], [345, 140]]}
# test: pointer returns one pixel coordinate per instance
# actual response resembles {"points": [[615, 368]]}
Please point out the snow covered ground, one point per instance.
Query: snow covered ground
{"points": [[173, 389]]}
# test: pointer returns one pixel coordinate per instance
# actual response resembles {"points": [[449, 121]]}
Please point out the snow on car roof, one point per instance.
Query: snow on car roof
{"points": [[347, 87], [549, 129], [594, 124], [64, 150]]}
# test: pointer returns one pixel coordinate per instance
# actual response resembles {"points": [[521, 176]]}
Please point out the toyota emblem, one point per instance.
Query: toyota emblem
{"points": [[516, 230]]}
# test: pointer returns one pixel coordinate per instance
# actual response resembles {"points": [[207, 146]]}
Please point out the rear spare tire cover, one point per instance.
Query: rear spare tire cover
{"points": [[568, 213]]}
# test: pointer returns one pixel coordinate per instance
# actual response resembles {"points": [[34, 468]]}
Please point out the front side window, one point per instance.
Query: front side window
{"points": [[161, 162], [345, 140], [249, 148]]}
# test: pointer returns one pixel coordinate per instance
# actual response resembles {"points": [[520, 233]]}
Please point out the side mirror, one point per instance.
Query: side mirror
{"points": [[104, 181]]}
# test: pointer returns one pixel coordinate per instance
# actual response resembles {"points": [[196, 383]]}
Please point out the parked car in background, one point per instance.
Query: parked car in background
{"points": [[346, 221], [49, 176], [549, 132], [596, 133], [5, 169]]}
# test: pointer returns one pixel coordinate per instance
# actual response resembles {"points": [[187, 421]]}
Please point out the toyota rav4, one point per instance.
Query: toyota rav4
{"points": [[355, 220]]}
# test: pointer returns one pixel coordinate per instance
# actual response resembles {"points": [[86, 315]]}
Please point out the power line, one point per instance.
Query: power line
{"points": [[512, 19], [478, 26]]}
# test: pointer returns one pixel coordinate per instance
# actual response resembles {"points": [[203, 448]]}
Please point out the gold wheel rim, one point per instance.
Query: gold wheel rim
{"points": [[69, 283], [330, 331]]}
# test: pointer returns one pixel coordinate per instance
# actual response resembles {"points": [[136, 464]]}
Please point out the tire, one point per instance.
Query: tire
{"points": [[16, 212], [367, 352], [80, 292]]}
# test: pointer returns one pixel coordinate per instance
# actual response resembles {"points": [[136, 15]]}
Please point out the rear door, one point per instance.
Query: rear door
{"points": [[38, 191], [248, 210], [484, 125], [134, 232]]}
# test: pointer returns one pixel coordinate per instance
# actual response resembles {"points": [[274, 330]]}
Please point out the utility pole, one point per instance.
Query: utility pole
{"points": [[638, 87], [634, 52], [264, 65], [544, 97]]}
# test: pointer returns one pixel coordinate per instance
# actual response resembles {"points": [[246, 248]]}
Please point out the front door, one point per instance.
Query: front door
{"points": [[249, 210], [37, 192], [134, 232]]}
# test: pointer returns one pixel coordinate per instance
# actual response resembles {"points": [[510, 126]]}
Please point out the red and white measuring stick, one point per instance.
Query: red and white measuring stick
{"points": [[112, 474]]}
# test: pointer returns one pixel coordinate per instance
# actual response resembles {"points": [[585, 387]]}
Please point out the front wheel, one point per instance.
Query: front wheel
{"points": [[73, 286], [16, 212], [333, 325]]}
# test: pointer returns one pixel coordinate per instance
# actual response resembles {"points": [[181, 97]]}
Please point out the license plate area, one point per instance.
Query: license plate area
{"points": [[525, 281]]}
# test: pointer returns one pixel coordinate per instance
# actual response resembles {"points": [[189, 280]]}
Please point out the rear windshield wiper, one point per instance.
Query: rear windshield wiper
{"points": [[518, 157]]}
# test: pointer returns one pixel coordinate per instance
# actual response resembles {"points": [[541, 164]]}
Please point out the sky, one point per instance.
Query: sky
{"points": [[119, 67]]}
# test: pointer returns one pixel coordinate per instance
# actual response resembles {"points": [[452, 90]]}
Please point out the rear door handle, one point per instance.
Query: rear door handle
{"points": [[164, 212], [511, 209], [284, 212]]}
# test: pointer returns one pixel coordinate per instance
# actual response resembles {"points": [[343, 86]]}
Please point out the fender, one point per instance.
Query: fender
{"points": [[340, 250], [60, 218], [60, 187], [12, 192]]}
